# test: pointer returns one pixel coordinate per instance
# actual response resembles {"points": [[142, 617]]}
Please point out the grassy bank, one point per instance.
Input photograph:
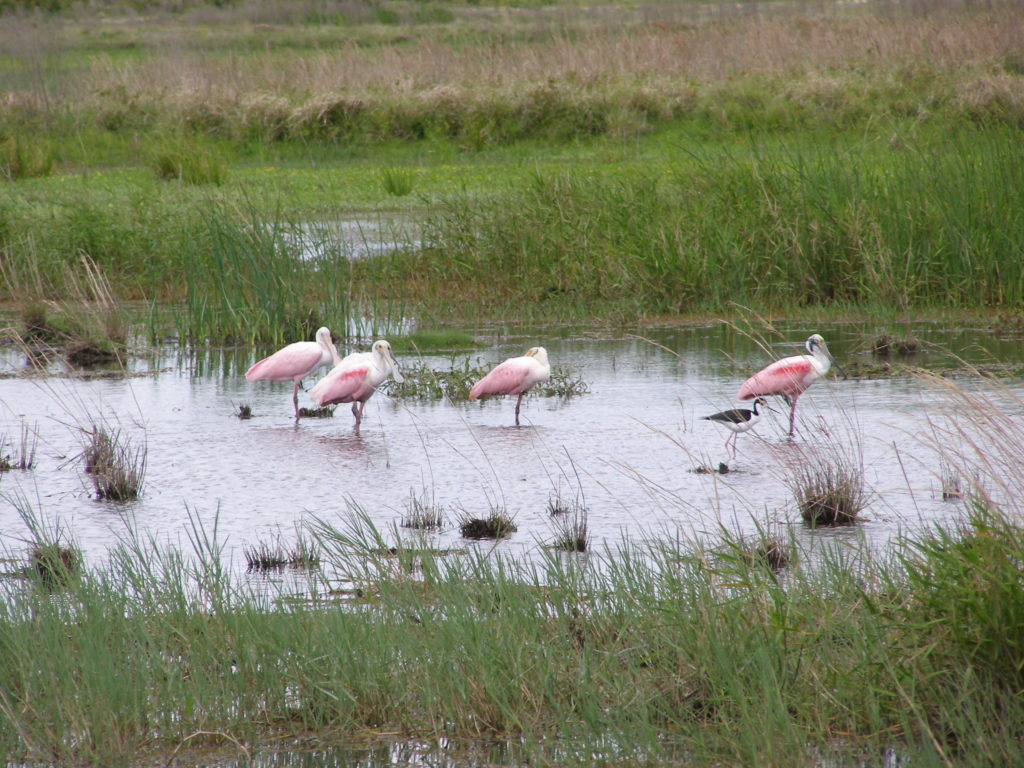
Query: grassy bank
{"points": [[785, 223], [623, 657], [550, 164]]}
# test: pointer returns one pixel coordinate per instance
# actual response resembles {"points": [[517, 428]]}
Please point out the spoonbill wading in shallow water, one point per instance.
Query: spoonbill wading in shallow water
{"points": [[295, 362], [790, 376], [514, 377], [737, 420], [356, 378]]}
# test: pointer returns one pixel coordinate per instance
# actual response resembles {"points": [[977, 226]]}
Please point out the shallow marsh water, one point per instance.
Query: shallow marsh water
{"points": [[628, 449]]}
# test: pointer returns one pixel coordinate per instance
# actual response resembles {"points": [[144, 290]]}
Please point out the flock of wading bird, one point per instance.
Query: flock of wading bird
{"points": [[354, 378]]}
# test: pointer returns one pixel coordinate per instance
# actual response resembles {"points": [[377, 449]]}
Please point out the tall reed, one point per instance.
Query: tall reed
{"points": [[250, 282]]}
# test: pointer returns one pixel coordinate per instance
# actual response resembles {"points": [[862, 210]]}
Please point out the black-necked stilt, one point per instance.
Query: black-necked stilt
{"points": [[790, 376], [737, 420]]}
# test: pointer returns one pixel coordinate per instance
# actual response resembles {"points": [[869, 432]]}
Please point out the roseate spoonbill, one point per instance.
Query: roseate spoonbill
{"points": [[737, 420], [356, 378], [514, 377], [295, 362], [790, 376]]}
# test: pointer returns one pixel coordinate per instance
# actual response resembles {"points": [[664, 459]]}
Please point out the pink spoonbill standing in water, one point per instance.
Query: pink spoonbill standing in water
{"points": [[356, 378], [790, 377], [514, 377], [295, 362]]}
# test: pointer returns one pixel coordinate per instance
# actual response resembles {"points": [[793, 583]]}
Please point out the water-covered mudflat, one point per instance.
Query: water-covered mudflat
{"points": [[632, 450]]}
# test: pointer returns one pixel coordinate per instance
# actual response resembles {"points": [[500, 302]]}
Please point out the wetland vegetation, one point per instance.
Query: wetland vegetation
{"points": [[682, 161], [170, 171], [674, 652]]}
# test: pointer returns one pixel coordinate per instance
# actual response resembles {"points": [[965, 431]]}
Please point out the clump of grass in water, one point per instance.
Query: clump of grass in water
{"points": [[423, 383], [53, 562], [951, 485], [397, 182], [497, 525], [770, 552], [704, 469], [422, 513], [569, 521], [562, 383], [267, 557], [87, 319], [116, 469], [36, 321], [829, 488], [882, 345], [87, 353], [25, 455], [317, 413]]}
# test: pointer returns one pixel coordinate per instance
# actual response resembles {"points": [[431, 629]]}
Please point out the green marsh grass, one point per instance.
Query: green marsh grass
{"points": [[248, 284], [797, 222], [397, 182], [763, 161], [431, 339], [660, 643], [782, 225], [23, 158], [189, 163]]}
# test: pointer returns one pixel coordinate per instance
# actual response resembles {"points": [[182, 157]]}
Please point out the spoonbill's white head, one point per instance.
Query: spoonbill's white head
{"points": [[382, 350]]}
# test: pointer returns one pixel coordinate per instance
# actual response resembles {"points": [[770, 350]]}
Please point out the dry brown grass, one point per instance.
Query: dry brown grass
{"points": [[659, 61], [767, 47]]}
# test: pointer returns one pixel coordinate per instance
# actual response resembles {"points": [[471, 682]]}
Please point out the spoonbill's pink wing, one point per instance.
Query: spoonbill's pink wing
{"points": [[509, 378], [341, 385], [783, 377], [289, 363]]}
